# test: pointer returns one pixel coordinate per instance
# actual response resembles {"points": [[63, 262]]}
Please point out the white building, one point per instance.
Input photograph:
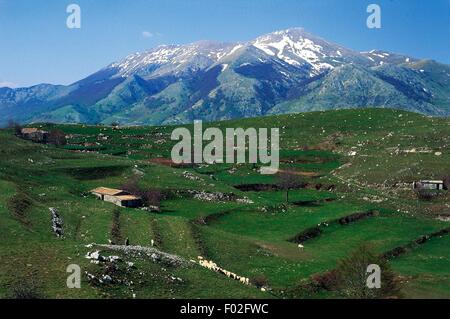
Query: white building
{"points": [[429, 184], [117, 197]]}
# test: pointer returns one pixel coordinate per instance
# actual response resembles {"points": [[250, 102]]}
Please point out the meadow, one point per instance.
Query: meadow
{"points": [[348, 162]]}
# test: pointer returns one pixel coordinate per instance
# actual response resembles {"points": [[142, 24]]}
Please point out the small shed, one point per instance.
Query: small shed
{"points": [[117, 196], [429, 184], [34, 134], [129, 201]]}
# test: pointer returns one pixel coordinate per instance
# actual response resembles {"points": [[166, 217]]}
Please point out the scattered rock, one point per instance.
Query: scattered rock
{"points": [[138, 172], [191, 176], [217, 197], [57, 222], [154, 254]]}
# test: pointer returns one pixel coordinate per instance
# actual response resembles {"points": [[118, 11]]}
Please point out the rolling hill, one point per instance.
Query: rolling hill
{"points": [[369, 156]]}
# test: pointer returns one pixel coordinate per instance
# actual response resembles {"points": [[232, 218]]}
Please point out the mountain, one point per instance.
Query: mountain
{"points": [[281, 72]]}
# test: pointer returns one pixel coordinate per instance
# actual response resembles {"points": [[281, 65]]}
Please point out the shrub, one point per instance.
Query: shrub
{"points": [[19, 205], [326, 281], [307, 234], [426, 194], [259, 281], [131, 186], [24, 289], [57, 137], [446, 180], [16, 126], [150, 197], [351, 274]]}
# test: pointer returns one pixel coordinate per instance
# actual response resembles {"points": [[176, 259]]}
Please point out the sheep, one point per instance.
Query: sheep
{"points": [[301, 247], [213, 266]]}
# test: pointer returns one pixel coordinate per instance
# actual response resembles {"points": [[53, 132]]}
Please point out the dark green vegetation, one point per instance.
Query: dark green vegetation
{"points": [[364, 162]]}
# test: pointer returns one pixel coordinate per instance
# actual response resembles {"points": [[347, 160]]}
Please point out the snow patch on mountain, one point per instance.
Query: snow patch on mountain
{"points": [[234, 49], [292, 46], [175, 56], [159, 56], [295, 51]]}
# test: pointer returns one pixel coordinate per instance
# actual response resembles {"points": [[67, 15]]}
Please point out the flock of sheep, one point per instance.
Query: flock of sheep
{"points": [[213, 266]]}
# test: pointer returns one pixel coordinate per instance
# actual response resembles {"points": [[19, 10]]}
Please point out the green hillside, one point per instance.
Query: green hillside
{"points": [[349, 161]]}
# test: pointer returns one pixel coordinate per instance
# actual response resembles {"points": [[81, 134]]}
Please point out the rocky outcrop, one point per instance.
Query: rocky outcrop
{"points": [[153, 254], [215, 196], [57, 223]]}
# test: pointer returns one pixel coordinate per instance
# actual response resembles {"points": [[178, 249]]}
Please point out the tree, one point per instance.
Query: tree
{"points": [[16, 126], [132, 186], [18, 129], [57, 137], [150, 197], [352, 275], [288, 180], [446, 180], [259, 281]]}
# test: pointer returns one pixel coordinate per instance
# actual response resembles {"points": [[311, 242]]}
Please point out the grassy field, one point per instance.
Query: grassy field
{"points": [[362, 160]]}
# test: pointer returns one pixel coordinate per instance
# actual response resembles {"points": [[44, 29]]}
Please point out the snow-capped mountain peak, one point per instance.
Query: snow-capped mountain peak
{"points": [[293, 46], [173, 58], [284, 71], [296, 47], [379, 57]]}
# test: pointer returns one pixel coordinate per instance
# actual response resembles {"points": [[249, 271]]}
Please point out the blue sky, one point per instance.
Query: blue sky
{"points": [[37, 47]]}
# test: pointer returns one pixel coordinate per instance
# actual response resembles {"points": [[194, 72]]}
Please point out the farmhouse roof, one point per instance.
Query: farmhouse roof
{"points": [[432, 182], [128, 197], [29, 130], [107, 191]]}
